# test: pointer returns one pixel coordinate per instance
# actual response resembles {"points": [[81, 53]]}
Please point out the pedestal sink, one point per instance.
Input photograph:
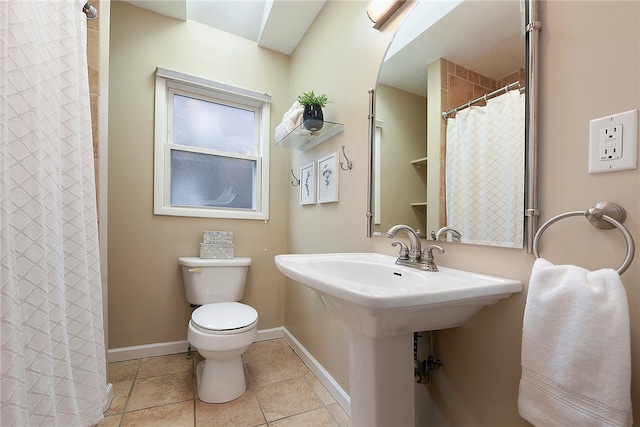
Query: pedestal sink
{"points": [[382, 304]]}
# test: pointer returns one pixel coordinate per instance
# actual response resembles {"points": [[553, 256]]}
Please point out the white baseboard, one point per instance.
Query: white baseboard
{"points": [[162, 349], [270, 334], [174, 347], [146, 350], [338, 393]]}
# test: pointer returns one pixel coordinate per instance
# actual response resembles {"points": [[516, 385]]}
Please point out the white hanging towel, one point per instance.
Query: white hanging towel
{"points": [[290, 120], [576, 350]]}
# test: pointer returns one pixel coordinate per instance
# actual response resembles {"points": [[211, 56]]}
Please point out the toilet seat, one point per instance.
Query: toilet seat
{"points": [[224, 318]]}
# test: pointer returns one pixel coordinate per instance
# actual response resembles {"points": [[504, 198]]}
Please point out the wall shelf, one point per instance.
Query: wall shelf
{"points": [[420, 163], [302, 139]]}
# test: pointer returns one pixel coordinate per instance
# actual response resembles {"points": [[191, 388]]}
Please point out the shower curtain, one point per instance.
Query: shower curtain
{"points": [[485, 172], [53, 353]]}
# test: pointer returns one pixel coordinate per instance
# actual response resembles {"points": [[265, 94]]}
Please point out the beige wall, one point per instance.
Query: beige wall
{"points": [[479, 384], [146, 296], [339, 55], [402, 140]]}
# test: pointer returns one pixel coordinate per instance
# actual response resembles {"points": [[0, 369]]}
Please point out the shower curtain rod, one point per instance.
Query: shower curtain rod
{"points": [[90, 10], [485, 97]]}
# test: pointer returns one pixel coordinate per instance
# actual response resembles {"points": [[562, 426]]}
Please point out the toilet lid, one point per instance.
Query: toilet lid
{"points": [[224, 316]]}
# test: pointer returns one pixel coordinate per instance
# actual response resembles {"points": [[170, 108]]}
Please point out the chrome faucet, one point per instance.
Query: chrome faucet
{"points": [[413, 256], [427, 263], [415, 249], [438, 235]]}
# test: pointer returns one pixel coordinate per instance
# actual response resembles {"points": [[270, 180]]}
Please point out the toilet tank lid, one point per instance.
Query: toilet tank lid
{"points": [[192, 261]]}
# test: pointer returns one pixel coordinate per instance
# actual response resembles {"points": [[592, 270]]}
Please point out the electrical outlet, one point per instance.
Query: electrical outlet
{"points": [[613, 142], [610, 142]]}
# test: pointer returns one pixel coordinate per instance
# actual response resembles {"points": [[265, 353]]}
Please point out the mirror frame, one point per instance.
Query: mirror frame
{"points": [[532, 46]]}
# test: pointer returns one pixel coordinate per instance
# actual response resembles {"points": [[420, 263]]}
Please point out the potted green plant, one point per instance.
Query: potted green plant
{"points": [[312, 116]]}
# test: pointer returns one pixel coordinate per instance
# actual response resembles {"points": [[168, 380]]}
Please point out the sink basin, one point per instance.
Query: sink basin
{"points": [[382, 304], [379, 298]]}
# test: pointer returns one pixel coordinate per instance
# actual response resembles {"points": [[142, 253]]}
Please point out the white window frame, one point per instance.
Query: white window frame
{"points": [[169, 82]]}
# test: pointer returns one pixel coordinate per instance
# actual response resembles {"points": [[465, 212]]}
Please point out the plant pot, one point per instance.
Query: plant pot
{"points": [[312, 117]]}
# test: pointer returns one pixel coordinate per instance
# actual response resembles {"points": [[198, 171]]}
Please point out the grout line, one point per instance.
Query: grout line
{"points": [[133, 383]]}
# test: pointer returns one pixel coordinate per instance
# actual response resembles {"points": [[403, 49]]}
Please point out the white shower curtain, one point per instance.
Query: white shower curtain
{"points": [[485, 172], [53, 354]]}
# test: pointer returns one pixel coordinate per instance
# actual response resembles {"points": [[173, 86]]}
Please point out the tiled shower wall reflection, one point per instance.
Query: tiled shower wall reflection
{"points": [[93, 62]]}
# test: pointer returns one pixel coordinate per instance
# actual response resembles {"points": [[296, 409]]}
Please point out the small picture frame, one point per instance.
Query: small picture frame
{"points": [[328, 179], [308, 184]]}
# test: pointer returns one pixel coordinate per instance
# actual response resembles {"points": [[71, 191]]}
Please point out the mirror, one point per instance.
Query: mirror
{"points": [[449, 54]]}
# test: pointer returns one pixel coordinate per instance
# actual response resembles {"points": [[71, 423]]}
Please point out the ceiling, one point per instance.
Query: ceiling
{"points": [[274, 24], [466, 32], [485, 36]]}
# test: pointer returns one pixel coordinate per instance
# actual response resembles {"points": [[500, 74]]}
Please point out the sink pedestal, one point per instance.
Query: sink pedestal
{"points": [[381, 380], [375, 297]]}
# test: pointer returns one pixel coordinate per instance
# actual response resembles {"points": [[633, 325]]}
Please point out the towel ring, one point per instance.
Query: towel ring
{"points": [[604, 215]]}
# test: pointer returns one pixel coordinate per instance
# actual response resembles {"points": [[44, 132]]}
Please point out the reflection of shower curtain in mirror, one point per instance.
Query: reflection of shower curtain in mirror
{"points": [[485, 172]]}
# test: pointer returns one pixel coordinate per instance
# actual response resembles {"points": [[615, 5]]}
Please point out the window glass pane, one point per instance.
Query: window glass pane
{"points": [[205, 180], [200, 123]]}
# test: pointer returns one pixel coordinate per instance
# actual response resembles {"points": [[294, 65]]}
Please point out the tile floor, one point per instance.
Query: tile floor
{"points": [[281, 392]]}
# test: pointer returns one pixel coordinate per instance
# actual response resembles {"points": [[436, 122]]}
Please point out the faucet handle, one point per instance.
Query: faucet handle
{"points": [[428, 262], [404, 250], [428, 251]]}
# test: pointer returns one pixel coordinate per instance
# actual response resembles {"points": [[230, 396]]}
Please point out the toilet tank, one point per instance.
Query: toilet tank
{"points": [[213, 280]]}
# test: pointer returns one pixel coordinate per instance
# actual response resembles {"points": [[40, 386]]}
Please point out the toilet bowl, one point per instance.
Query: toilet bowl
{"points": [[222, 328], [221, 332]]}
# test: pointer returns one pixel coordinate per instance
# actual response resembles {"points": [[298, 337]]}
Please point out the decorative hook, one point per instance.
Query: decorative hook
{"points": [[349, 162], [295, 181]]}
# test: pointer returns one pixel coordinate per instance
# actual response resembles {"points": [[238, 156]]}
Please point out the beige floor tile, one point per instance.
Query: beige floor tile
{"points": [[264, 350], [161, 390], [110, 421], [172, 415], [275, 369], [164, 365], [285, 346], [122, 371], [316, 418], [339, 415], [121, 393], [241, 412], [287, 398], [299, 364], [320, 390]]}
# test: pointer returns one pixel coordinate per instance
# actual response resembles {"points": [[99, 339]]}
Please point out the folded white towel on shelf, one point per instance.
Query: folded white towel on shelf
{"points": [[290, 120], [576, 349]]}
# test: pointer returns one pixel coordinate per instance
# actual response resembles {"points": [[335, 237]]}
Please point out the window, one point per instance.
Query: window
{"points": [[211, 149]]}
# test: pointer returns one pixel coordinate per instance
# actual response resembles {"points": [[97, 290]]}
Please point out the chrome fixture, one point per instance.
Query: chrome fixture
{"points": [[295, 181], [348, 162], [438, 235], [414, 256], [404, 250], [603, 215], [90, 10], [427, 262], [415, 250]]}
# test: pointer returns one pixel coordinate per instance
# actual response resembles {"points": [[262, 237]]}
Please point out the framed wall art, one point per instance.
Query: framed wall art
{"points": [[308, 184], [328, 179]]}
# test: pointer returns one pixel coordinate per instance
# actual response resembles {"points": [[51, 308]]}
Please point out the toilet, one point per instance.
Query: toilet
{"points": [[222, 328]]}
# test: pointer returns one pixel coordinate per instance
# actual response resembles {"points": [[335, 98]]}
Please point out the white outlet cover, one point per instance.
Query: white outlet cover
{"points": [[628, 158]]}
